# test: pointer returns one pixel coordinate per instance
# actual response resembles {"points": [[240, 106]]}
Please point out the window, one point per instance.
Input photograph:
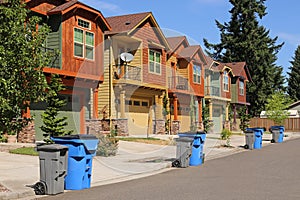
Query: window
{"points": [[144, 103], [154, 62], [241, 87], [197, 74], [136, 103], [84, 43], [225, 81], [83, 23]]}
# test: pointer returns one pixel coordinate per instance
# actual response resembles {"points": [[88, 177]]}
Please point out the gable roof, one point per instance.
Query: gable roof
{"points": [[73, 4], [129, 23], [190, 51], [238, 68], [174, 42]]}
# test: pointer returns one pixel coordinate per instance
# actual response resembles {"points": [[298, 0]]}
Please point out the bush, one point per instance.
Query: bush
{"points": [[108, 145], [225, 135]]}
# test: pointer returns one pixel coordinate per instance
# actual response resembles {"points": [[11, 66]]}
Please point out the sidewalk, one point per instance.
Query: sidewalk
{"points": [[134, 160]]}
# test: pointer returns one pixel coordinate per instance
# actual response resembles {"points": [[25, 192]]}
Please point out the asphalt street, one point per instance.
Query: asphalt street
{"points": [[272, 172]]}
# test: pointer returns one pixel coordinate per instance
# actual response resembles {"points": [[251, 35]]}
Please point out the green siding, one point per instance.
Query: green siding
{"points": [[234, 93], [54, 40]]}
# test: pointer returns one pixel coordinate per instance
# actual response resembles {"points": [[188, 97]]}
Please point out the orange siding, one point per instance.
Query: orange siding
{"points": [[75, 64]]}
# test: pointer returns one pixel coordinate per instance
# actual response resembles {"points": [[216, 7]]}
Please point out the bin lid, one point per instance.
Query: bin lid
{"points": [[89, 141], [51, 147], [184, 139]]}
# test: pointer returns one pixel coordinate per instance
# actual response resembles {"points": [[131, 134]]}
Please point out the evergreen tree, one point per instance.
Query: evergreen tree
{"points": [[244, 39], [54, 125], [294, 77], [21, 63]]}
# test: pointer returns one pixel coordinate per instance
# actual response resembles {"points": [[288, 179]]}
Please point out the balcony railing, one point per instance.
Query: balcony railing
{"points": [[212, 91], [128, 72], [178, 83]]}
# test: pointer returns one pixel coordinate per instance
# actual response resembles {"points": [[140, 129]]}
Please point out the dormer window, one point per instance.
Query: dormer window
{"points": [[225, 81]]}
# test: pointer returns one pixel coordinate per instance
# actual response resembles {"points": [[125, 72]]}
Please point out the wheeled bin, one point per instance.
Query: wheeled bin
{"points": [[277, 136], [197, 156], [82, 149], [53, 169], [249, 137], [183, 152], [258, 133]]}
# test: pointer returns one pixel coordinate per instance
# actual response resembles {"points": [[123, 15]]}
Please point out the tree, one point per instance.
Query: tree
{"points": [[277, 107], [244, 39], [294, 77], [244, 118], [54, 125], [21, 63]]}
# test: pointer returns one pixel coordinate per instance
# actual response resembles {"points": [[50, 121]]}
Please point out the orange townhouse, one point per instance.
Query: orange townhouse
{"points": [[185, 84], [77, 32]]}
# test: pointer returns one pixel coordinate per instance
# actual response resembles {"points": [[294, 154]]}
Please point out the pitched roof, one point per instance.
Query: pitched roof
{"points": [[190, 51], [71, 4], [125, 23], [238, 68], [63, 7], [174, 42]]}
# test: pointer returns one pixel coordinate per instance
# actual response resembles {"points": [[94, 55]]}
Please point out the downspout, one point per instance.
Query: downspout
{"points": [[110, 82]]}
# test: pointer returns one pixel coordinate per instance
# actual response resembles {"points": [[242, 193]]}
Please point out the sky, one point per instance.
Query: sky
{"points": [[196, 20]]}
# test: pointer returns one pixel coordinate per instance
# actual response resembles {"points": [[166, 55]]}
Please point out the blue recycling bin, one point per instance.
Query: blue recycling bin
{"points": [[82, 149], [197, 155], [281, 131], [258, 133]]}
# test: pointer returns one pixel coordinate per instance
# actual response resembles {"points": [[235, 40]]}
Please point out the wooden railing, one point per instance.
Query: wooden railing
{"points": [[212, 91], [178, 83], [128, 72]]}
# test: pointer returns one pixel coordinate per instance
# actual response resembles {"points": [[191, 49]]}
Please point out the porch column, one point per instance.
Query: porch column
{"points": [[227, 112], [210, 104], [122, 104], [175, 103], [95, 103], [199, 110], [160, 108]]}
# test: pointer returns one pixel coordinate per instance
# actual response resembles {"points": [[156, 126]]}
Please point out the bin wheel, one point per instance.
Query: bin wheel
{"points": [[40, 188], [176, 163], [246, 146], [272, 141]]}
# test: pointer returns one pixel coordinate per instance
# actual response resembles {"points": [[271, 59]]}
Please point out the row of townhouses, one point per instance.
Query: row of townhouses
{"points": [[121, 73]]}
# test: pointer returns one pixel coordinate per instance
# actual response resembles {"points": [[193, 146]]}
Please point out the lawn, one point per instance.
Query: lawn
{"points": [[149, 140], [25, 151]]}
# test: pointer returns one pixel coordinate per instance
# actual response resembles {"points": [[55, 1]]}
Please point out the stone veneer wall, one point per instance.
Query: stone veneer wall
{"points": [[227, 125], [96, 126], [120, 126], [175, 127], [27, 135], [159, 126], [199, 126]]}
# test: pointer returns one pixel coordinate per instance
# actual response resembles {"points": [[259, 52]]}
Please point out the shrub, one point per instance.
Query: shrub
{"points": [[225, 135], [108, 145]]}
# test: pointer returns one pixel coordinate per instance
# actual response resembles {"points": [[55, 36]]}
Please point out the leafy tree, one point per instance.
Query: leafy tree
{"points": [[207, 124], [21, 62], [276, 108], [54, 125], [294, 77], [244, 118], [244, 39]]}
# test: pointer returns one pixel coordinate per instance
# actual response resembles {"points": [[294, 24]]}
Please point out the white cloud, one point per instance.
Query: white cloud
{"points": [[292, 39]]}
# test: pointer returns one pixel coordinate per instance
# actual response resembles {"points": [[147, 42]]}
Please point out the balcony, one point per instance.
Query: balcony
{"points": [[178, 83], [127, 72], [212, 91]]}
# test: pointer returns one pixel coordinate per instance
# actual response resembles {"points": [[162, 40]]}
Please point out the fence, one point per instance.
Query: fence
{"points": [[290, 124]]}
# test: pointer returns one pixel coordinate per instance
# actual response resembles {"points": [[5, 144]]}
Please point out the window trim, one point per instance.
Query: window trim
{"points": [[197, 75], [155, 62], [241, 89], [84, 44], [85, 21], [225, 77]]}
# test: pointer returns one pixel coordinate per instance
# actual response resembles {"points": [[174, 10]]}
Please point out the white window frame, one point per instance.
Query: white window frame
{"points": [[196, 75], [84, 21], [225, 81], [155, 63], [241, 87], [84, 44]]}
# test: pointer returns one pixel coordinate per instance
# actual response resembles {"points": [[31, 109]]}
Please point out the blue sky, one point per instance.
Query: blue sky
{"points": [[196, 19]]}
